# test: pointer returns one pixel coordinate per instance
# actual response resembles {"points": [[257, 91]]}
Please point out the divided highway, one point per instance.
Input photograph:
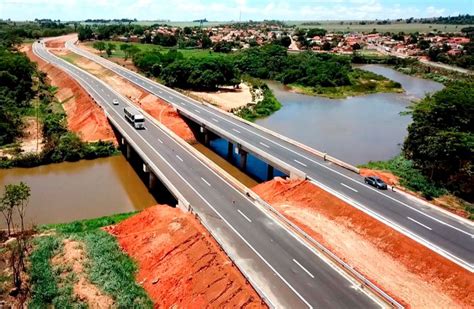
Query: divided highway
{"points": [[287, 271], [445, 234]]}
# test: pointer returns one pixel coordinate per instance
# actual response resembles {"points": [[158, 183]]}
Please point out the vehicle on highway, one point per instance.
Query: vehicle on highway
{"points": [[115, 102], [376, 182], [134, 117]]}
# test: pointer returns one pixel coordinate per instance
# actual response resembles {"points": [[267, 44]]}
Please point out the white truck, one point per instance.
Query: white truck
{"points": [[134, 117]]}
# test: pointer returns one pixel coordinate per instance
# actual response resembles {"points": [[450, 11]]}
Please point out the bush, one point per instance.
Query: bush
{"points": [[410, 177]]}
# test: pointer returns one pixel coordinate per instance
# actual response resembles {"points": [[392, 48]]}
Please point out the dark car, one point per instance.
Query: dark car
{"points": [[376, 182]]}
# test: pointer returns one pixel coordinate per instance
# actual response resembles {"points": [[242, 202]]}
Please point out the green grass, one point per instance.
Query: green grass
{"points": [[106, 266], [410, 177], [335, 26], [187, 53], [48, 288], [81, 226], [70, 57], [113, 271]]}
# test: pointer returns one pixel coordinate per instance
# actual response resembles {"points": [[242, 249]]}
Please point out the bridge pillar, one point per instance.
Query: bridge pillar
{"points": [[270, 172], [128, 151], [152, 180], [230, 148], [243, 159]]}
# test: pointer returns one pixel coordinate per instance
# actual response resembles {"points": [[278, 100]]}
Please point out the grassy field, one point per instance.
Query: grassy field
{"points": [[394, 27], [199, 53], [105, 266]]}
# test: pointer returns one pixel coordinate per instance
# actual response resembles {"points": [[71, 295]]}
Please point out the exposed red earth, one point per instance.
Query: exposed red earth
{"points": [[84, 116], [180, 264], [407, 270]]}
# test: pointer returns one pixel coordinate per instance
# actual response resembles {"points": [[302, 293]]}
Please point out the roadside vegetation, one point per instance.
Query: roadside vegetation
{"points": [[438, 152], [105, 266], [24, 92], [72, 265]]}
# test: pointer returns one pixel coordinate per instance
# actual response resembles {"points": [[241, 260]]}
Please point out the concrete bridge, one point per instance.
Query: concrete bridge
{"points": [[285, 270], [441, 231]]}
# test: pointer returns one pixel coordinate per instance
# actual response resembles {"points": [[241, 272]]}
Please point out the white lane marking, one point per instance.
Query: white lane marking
{"points": [[197, 111], [182, 103], [399, 228], [206, 181], [215, 120], [160, 141], [300, 163], [302, 267], [235, 130], [425, 226], [179, 158], [243, 215], [170, 97], [350, 188], [264, 145], [424, 241], [160, 91]]}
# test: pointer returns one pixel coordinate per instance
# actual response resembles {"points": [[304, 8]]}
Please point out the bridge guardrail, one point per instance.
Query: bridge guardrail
{"points": [[318, 153], [245, 190]]}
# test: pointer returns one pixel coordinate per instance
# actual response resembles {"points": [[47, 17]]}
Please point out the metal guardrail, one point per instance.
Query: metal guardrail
{"points": [[349, 269]]}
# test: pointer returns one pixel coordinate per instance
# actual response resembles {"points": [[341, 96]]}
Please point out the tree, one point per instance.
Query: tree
{"points": [[110, 47], [125, 48], [440, 139], [285, 41], [356, 46], [326, 46], [85, 33], [15, 197], [423, 44], [99, 45]]}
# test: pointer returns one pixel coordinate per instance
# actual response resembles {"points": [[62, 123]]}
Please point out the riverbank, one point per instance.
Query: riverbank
{"points": [[72, 126], [104, 263], [362, 83]]}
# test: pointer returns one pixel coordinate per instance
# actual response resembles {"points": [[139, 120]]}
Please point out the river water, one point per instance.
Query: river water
{"points": [[355, 129], [86, 189]]}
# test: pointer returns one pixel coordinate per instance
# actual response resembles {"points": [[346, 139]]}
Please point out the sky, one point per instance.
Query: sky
{"points": [[226, 10]]}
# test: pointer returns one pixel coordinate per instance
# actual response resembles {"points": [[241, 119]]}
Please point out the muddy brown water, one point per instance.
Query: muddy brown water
{"points": [[71, 191], [355, 129], [65, 192]]}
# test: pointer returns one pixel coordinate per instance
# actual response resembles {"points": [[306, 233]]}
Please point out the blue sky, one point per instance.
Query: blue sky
{"points": [[225, 10]]}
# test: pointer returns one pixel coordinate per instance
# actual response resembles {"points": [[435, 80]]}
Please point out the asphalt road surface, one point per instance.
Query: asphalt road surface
{"points": [[445, 234], [289, 273]]}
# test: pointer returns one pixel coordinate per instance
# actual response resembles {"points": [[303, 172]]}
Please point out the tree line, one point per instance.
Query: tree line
{"points": [[440, 138]]}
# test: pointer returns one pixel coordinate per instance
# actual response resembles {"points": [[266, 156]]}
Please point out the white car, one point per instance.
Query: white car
{"points": [[115, 102]]}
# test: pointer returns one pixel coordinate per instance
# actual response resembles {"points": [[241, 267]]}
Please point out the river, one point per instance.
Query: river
{"points": [[356, 129], [64, 192]]}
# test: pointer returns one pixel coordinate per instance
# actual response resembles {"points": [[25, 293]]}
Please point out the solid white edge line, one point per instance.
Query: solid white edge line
{"points": [[303, 268], [291, 233], [243, 215], [419, 223], [350, 188], [466, 265]]}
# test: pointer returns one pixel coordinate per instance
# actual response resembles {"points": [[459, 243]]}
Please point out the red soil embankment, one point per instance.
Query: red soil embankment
{"points": [[156, 107], [180, 264], [404, 268], [84, 116]]}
